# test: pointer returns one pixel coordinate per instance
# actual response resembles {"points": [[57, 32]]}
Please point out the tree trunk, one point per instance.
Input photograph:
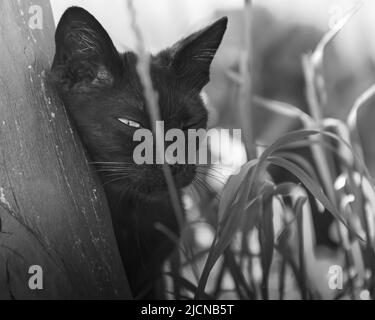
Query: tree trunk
{"points": [[53, 211]]}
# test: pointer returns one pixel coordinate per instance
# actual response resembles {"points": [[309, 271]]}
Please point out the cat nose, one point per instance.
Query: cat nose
{"points": [[174, 169]]}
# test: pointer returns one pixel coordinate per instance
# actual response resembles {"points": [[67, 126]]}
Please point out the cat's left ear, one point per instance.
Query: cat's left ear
{"points": [[191, 58], [85, 54]]}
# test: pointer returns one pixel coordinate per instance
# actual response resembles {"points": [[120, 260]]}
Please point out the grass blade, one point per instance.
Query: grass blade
{"points": [[314, 189]]}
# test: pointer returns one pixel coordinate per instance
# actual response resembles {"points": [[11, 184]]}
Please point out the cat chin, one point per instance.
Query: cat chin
{"points": [[138, 193], [159, 196], [144, 196]]}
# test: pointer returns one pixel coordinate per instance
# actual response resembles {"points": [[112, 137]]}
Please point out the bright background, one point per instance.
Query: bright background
{"points": [[165, 21]]}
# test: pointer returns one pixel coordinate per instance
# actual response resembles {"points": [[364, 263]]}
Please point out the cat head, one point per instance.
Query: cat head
{"points": [[104, 96]]}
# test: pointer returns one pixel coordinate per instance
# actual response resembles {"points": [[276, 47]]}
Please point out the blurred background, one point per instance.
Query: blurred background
{"points": [[281, 33]]}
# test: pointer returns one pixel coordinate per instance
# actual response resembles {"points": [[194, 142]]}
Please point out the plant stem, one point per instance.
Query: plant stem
{"points": [[151, 97], [245, 87]]}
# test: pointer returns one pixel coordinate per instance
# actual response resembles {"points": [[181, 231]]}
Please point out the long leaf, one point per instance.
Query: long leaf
{"points": [[231, 189], [219, 246], [267, 239], [315, 190], [298, 209]]}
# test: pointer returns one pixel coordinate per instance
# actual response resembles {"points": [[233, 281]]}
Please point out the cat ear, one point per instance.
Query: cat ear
{"points": [[192, 56], [85, 54]]}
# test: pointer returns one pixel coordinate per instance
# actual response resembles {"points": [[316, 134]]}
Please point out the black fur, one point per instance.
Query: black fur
{"points": [[98, 86]]}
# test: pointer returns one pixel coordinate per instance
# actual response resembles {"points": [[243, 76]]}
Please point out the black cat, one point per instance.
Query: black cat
{"points": [[104, 97]]}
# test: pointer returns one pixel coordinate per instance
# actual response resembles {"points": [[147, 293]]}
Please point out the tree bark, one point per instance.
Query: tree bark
{"points": [[53, 212]]}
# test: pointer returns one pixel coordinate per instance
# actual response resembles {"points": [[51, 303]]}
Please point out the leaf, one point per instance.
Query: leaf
{"points": [[234, 268], [301, 161], [235, 202], [313, 68], [298, 209], [175, 267], [187, 285], [330, 35], [267, 240], [361, 166], [285, 109], [287, 139], [231, 189], [352, 120], [285, 189], [221, 242], [314, 189]]}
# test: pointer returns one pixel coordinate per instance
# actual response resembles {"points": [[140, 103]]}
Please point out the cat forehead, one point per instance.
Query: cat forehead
{"points": [[175, 98], [175, 105], [165, 80]]}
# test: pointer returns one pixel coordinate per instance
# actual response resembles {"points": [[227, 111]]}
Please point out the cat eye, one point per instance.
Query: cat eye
{"points": [[130, 123]]}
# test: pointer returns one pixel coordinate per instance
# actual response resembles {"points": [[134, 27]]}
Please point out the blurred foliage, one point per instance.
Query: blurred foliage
{"points": [[255, 238]]}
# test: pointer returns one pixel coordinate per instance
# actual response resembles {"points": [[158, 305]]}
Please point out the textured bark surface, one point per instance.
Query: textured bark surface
{"points": [[53, 212]]}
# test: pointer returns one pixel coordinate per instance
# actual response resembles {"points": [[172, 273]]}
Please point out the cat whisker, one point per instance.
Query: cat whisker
{"points": [[218, 180], [214, 167], [113, 181], [114, 170], [217, 176], [116, 174], [112, 163], [210, 171], [203, 184], [101, 168]]}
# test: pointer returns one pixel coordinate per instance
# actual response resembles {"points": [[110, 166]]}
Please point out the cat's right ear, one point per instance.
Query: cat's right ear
{"points": [[192, 57], [85, 54]]}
